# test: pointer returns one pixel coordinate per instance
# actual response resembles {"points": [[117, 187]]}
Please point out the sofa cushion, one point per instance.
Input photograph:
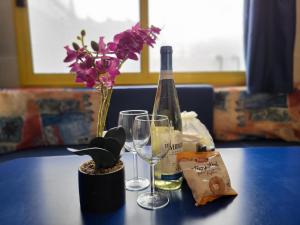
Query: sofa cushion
{"points": [[242, 116], [39, 117]]}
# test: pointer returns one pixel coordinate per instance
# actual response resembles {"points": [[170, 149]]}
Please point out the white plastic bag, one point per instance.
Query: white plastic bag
{"points": [[196, 137]]}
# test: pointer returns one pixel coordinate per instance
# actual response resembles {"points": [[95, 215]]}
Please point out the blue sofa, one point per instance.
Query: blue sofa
{"points": [[52, 117], [198, 98]]}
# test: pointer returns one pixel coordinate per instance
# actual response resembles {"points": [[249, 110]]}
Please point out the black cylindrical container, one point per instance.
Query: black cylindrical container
{"points": [[101, 193]]}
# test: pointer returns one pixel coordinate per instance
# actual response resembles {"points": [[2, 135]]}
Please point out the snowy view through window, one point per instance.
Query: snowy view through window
{"points": [[206, 35]]}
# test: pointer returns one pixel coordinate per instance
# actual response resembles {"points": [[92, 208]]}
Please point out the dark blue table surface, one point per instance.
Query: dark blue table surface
{"points": [[43, 190]]}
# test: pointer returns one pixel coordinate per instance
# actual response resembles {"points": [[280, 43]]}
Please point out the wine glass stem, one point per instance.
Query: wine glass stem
{"points": [[135, 166], [152, 190]]}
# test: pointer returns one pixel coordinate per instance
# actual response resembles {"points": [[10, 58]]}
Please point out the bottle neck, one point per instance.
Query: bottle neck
{"points": [[166, 75], [166, 70], [166, 61]]}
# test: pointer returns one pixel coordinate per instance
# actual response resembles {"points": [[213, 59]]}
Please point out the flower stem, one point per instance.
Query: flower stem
{"points": [[103, 109]]}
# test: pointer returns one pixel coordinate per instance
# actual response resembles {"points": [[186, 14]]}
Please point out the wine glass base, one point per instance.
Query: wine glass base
{"points": [[137, 184], [152, 201]]}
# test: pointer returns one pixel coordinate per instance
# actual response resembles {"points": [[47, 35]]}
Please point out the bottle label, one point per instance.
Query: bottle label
{"points": [[169, 168], [166, 75]]}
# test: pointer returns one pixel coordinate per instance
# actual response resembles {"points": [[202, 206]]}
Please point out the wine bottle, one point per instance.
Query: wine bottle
{"points": [[167, 173]]}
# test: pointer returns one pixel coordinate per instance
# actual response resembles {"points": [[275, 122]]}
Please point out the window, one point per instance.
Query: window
{"points": [[206, 37]]}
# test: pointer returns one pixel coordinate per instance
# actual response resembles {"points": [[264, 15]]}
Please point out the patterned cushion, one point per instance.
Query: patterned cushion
{"points": [[240, 116], [40, 117]]}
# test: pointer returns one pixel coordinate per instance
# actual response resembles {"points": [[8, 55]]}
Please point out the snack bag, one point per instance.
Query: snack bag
{"points": [[195, 135], [206, 175]]}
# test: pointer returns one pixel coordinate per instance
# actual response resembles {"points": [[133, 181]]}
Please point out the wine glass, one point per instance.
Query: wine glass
{"points": [[126, 119], [152, 141]]}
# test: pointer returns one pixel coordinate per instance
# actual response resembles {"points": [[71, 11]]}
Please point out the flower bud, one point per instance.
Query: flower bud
{"points": [[95, 46], [75, 46], [82, 33]]}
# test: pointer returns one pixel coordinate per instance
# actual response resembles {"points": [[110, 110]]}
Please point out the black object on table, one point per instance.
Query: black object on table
{"points": [[43, 190]]}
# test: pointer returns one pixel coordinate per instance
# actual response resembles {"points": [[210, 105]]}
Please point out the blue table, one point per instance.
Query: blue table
{"points": [[43, 191]]}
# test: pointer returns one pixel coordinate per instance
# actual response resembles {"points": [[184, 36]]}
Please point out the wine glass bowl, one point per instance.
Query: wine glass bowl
{"points": [[152, 141], [126, 120]]}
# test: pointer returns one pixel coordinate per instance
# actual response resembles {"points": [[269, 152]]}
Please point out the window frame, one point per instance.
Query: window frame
{"points": [[30, 79]]}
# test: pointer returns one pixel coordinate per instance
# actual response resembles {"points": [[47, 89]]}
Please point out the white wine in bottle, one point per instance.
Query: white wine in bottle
{"points": [[167, 173]]}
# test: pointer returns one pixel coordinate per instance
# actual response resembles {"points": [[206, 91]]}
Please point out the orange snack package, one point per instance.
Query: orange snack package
{"points": [[206, 175]]}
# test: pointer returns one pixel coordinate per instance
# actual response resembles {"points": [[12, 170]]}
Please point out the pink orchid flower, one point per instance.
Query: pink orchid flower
{"points": [[71, 54], [102, 66]]}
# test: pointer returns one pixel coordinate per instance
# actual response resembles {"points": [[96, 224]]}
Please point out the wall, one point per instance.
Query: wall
{"points": [[9, 76]]}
